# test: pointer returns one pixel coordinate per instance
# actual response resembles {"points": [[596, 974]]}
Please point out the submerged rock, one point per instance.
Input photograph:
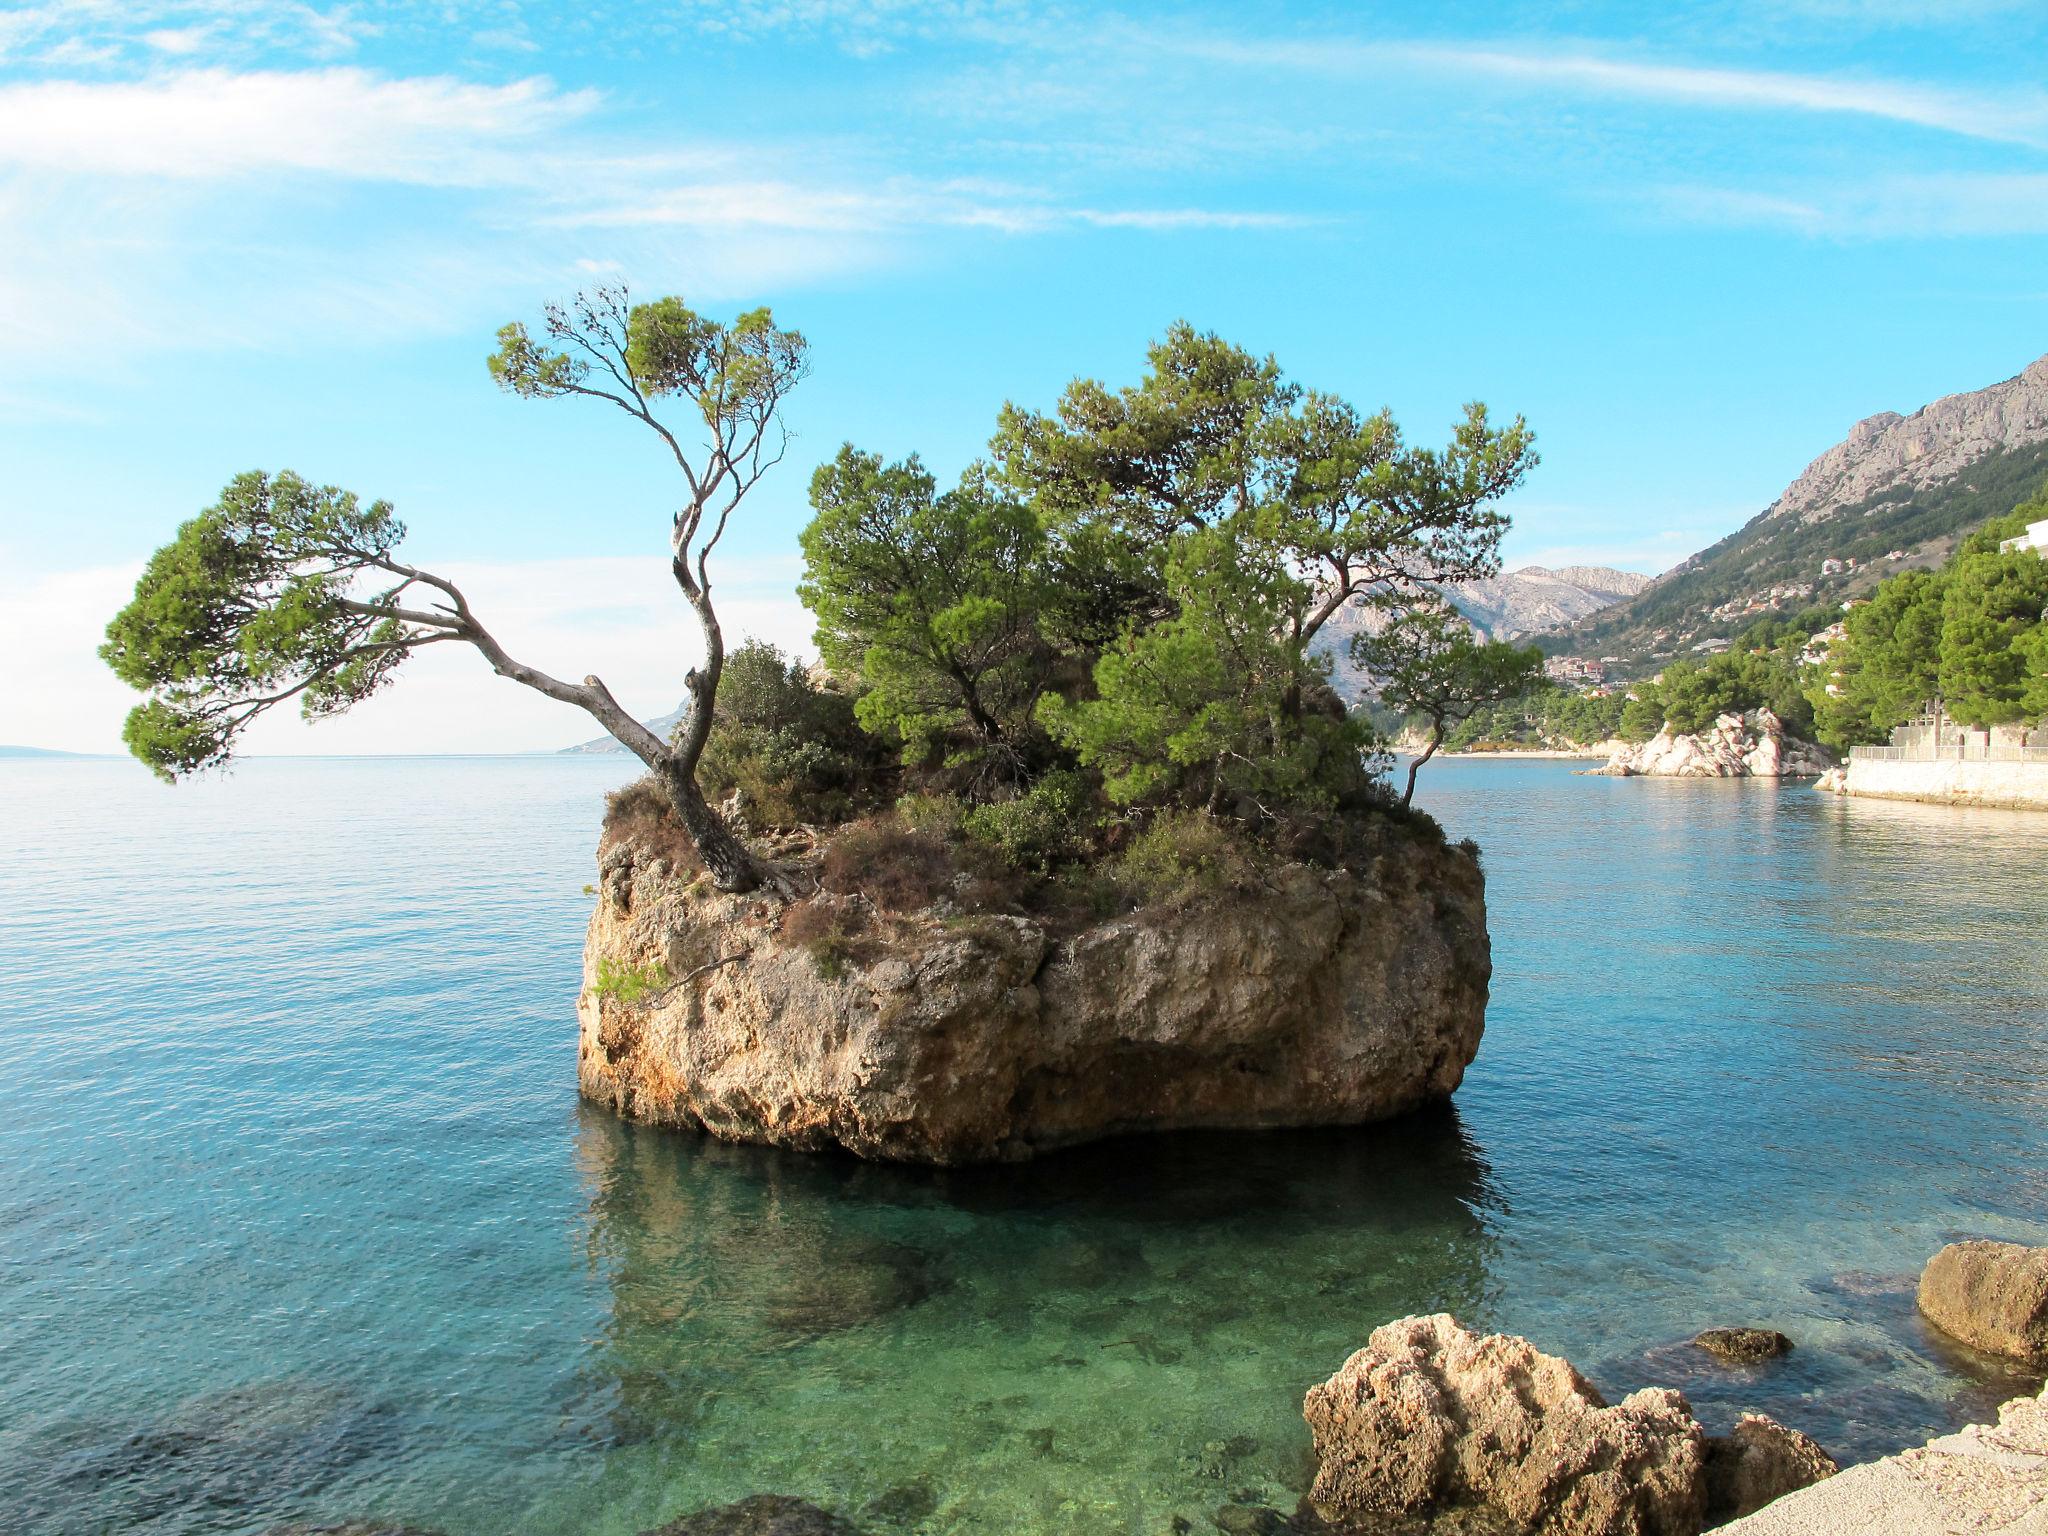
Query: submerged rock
{"points": [[1993, 1296], [1331, 997], [1758, 1461], [1743, 1346], [352, 1528], [1750, 746], [1431, 1415], [763, 1514]]}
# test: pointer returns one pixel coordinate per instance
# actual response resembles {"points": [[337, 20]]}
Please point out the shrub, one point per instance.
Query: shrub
{"points": [[641, 814], [629, 983], [933, 815], [1183, 856], [898, 869], [1049, 823], [830, 931], [792, 749]]}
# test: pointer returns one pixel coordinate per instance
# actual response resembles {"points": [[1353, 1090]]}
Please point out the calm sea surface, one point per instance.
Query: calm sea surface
{"points": [[300, 1217]]}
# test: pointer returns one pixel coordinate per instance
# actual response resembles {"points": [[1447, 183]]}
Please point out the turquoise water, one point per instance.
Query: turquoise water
{"points": [[300, 1217]]}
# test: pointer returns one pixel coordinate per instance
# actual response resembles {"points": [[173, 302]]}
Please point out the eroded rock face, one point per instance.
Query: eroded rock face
{"points": [[1758, 1461], [1333, 997], [1990, 1295], [1751, 746], [1429, 1414]]}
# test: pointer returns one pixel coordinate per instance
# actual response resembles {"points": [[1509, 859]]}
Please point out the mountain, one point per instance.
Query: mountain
{"points": [[1897, 492], [661, 725], [1512, 606]]}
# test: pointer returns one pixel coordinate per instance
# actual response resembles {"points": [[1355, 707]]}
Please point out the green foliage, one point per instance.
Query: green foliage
{"points": [[1053, 821], [1546, 716], [255, 602], [630, 984], [1967, 635], [932, 599], [1210, 705], [1181, 857], [1427, 663], [794, 750], [1690, 695]]}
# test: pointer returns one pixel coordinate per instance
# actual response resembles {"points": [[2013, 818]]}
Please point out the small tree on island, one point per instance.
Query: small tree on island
{"points": [[1427, 662], [286, 590]]}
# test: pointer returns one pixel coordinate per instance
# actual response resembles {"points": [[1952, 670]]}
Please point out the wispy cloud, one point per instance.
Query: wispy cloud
{"points": [[1954, 206], [2015, 119]]}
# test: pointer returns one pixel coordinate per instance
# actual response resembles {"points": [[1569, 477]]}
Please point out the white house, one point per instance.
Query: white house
{"points": [[2035, 538]]}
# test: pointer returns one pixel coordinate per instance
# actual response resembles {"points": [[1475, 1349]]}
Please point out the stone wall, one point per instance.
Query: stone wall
{"points": [[2015, 785]]}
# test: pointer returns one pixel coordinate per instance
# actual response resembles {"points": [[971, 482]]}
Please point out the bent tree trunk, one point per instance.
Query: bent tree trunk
{"points": [[1436, 739], [731, 866]]}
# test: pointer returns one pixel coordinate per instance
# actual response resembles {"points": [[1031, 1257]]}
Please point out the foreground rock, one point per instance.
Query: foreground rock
{"points": [[1990, 1295], [765, 1514], [1431, 1415], [1753, 746], [1987, 1478], [1743, 1346], [1330, 997], [1760, 1460]]}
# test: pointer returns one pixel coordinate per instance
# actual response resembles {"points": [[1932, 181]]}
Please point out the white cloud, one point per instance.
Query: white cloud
{"points": [[214, 123], [619, 618]]}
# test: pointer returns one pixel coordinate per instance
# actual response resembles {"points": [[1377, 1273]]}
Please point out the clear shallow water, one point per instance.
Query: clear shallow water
{"points": [[300, 1217]]}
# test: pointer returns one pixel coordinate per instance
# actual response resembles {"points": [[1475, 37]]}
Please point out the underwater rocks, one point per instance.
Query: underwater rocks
{"points": [[1993, 1296], [1750, 746], [764, 1514], [1331, 997], [1743, 1346], [1430, 1416]]}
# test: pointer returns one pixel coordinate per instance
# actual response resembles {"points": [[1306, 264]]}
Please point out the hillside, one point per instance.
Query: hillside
{"points": [[661, 725], [1897, 492], [1515, 605]]}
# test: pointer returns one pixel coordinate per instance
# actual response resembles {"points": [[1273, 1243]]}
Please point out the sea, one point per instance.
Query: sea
{"points": [[301, 1219]]}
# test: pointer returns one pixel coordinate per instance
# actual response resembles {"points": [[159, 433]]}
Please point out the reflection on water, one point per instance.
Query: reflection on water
{"points": [[299, 1218]]}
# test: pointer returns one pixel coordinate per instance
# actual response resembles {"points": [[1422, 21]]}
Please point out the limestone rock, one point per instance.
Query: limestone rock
{"points": [[1430, 1414], [1758, 1461], [1743, 1346], [1990, 1295], [764, 1514], [1834, 782], [1751, 746], [1330, 997]]}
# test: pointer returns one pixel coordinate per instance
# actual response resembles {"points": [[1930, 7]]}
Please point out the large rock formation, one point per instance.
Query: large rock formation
{"points": [[1331, 997], [1990, 1295], [1754, 745], [1431, 1415]]}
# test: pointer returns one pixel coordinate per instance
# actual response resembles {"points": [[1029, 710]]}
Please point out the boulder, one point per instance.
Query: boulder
{"points": [[1431, 1415], [1753, 746], [764, 1514], [1743, 1346], [1758, 1461], [1993, 1296], [1331, 996]]}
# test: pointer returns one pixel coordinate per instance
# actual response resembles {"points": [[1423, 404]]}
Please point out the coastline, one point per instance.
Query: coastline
{"points": [[1574, 753]]}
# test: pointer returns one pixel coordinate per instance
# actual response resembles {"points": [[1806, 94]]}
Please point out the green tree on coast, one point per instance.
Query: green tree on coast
{"points": [[285, 590]]}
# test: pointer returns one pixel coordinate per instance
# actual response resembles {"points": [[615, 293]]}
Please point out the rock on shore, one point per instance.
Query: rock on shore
{"points": [[1430, 1416], [1754, 746], [1330, 997], [1993, 1296]]}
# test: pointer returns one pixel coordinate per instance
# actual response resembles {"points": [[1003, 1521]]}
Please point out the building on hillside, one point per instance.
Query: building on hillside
{"points": [[2035, 538], [1816, 650], [1715, 647], [1574, 671], [1831, 567]]}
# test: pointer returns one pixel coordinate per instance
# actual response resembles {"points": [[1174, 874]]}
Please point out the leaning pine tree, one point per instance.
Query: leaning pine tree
{"points": [[286, 590]]}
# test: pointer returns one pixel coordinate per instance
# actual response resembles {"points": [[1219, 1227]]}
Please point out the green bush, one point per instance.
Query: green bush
{"points": [[1051, 822], [1183, 856], [628, 983], [793, 750]]}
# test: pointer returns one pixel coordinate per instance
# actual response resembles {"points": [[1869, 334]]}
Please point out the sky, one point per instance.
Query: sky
{"points": [[1691, 244]]}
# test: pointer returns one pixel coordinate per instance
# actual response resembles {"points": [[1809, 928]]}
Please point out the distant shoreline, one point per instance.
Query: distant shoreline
{"points": [[1530, 752]]}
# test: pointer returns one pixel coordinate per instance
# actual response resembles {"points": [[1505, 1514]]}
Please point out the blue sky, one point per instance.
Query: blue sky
{"points": [[1691, 244]]}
